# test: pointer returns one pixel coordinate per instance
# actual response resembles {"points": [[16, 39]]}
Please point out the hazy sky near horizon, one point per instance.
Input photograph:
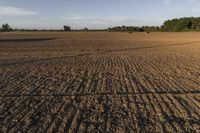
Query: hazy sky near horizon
{"points": [[46, 14]]}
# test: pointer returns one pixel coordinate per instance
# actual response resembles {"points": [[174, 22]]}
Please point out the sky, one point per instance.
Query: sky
{"points": [[93, 14]]}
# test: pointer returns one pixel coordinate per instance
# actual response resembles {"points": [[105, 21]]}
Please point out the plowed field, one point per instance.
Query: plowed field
{"points": [[99, 82]]}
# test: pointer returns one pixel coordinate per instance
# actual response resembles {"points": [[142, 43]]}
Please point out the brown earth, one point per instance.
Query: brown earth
{"points": [[99, 82]]}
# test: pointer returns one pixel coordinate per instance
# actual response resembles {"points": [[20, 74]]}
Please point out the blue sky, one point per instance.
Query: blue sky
{"points": [[46, 14]]}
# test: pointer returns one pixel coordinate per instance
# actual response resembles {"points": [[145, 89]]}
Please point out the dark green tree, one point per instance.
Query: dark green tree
{"points": [[85, 29], [182, 24], [66, 28], [6, 27]]}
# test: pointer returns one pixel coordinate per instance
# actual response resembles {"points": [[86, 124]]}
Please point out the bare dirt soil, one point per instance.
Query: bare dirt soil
{"points": [[99, 82]]}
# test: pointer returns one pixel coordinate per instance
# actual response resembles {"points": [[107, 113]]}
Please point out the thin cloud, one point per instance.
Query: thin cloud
{"points": [[91, 18], [97, 20], [177, 9], [104, 22], [191, 1], [14, 11], [167, 2], [197, 10]]}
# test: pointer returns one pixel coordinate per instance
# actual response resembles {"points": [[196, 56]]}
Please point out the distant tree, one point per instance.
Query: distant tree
{"points": [[6, 27], [182, 24], [66, 28], [161, 28], [123, 28], [85, 29], [109, 29]]}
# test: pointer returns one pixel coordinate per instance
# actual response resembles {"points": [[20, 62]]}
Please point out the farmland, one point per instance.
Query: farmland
{"points": [[99, 82]]}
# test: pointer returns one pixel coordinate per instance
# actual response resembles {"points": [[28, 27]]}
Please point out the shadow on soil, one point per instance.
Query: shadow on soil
{"points": [[86, 54], [27, 40]]}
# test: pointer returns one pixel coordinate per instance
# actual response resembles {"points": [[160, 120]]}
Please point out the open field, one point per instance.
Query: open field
{"points": [[100, 82]]}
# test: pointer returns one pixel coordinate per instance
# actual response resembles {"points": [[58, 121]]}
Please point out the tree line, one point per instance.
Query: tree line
{"points": [[134, 29], [173, 25], [182, 24], [6, 27]]}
